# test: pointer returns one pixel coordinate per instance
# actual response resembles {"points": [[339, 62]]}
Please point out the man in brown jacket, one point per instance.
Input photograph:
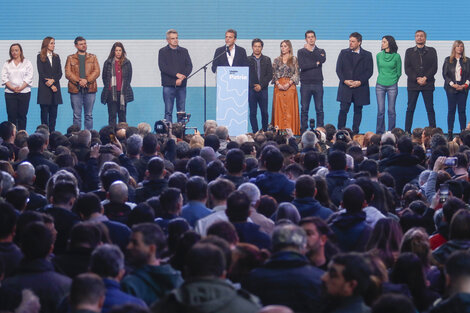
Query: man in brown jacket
{"points": [[82, 70]]}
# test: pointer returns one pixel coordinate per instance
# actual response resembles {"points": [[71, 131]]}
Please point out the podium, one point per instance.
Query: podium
{"points": [[232, 99]]}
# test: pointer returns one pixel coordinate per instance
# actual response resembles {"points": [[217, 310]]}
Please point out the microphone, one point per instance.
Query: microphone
{"points": [[227, 49]]}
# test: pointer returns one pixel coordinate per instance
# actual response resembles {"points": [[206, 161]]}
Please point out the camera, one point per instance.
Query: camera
{"points": [[106, 148], [183, 117], [161, 127], [312, 124], [342, 136], [443, 193]]}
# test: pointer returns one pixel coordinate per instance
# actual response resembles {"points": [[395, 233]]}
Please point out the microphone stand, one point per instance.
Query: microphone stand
{"points": [[205, 79]]}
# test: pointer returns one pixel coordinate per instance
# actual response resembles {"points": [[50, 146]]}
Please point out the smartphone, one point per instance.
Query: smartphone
{"points": [[450, 161], [428, 153], [443, 193]]}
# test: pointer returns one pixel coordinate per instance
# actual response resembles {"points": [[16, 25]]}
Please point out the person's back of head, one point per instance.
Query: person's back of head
{"points": [[235, 161], [437, 140], [252, 192], [36, 241], [450, 207], [220, 189], [305, 187], [196, 166], [149, 144], [178, 180], [118, 192], [215, 169], [171, 201], [238, 207], [84, 235], [155, 167], [224, 230], [223, 245], [289, 237], [36, 142], [84, 138], [7, 130], [353, 198], [107, 261], [287, 212], [460, 225], [205, 260], [293, 171], [18, 196], [393, 303], [404, 144], [311, 160], [134, 145], [309, 139], [87, 292], [106, 132], [273, 160], [87, 204], [8, 220], [141, 213], [208, 154], [64, 193], [221, 132], [370, 166], [388, 139], [337, 160], [196, 188], [109, 176], [25, 174], [367, 187], [212, 141]]}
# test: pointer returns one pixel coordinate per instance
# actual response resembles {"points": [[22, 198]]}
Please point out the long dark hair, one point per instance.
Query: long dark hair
{"points": [[392, 44], [113, 52]]}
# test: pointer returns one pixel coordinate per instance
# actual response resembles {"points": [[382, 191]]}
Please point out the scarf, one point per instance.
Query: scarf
{"points": [[122, 102]]}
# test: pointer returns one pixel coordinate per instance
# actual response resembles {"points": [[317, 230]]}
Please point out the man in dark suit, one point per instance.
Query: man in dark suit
{"points": [[261, 73], [234, 55], [420, 67], [354, 68]]}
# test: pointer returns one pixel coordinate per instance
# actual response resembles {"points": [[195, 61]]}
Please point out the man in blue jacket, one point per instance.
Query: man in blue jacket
{"points": [[175, 66], [354, 68]]}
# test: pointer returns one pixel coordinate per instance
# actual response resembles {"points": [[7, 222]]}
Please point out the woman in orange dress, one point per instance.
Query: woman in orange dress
{"points": [[285, 101]]}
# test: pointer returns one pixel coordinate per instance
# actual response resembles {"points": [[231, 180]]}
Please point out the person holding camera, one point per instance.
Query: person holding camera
{"points": [[82, 70]]}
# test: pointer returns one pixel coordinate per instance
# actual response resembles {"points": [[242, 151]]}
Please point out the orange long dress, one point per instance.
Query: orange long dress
{"points": [[286, 102]]}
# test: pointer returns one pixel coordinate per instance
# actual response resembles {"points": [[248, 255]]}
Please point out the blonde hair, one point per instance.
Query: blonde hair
{"points": [[452, 53], [290, 60]]}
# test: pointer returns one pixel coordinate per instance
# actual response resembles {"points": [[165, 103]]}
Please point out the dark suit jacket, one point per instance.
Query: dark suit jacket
{"points": [[348, 69], [419, 66], [48, 70], [240, 58], [266, 71], [448, 72]]}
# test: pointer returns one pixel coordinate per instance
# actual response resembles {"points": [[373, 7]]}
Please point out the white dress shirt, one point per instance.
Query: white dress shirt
{"points": [[17, 75]]}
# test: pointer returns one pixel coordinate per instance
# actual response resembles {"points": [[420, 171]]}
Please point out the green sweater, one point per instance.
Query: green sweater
{"points": [[389, 67]]}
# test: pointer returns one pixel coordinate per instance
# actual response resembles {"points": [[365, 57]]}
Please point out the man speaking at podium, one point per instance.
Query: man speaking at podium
{"points": [[234, 55]]}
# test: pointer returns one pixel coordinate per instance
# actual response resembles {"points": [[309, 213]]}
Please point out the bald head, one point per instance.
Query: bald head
{"points": [[25, 174], [118, 192]]}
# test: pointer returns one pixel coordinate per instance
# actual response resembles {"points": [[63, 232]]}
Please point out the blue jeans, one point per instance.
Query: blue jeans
{"points": [[261, 98], [391, 92], [306, 92], [169, 95], [85, 100]]}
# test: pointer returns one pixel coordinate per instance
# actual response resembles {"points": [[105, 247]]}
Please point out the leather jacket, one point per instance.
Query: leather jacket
{"points": [[448, 72], [72, 72]]}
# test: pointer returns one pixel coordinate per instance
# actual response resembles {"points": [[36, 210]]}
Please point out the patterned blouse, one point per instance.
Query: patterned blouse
{"points": [[282, 70]]}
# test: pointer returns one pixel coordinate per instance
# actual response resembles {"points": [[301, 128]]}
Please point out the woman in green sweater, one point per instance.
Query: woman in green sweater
{"points": [[389, 68]]}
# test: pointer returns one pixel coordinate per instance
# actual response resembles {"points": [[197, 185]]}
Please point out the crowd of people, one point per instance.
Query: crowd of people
{"points": [[129, 220]]}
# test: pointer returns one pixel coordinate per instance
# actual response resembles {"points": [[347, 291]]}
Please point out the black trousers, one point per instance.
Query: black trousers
{"points": [[114, 107], [17, 108], [428, 97], [343, 114], [49, 115]]}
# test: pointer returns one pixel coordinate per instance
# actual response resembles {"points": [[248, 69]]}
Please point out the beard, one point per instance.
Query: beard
{"points": [[136, 258]]}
